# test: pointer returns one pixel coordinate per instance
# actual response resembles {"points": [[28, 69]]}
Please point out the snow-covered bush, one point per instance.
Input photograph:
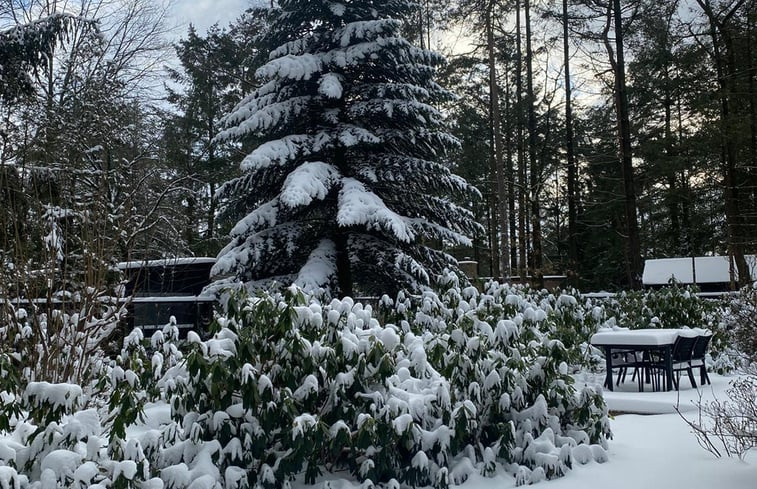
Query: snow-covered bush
{"points": [[50, 353], [60, 345], [741, 321], [61, 435], [454, 385], [672, 306], [55, 441], [570, 318]]}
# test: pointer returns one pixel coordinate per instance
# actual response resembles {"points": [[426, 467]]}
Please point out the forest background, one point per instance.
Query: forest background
{"points": [[599, 132]]}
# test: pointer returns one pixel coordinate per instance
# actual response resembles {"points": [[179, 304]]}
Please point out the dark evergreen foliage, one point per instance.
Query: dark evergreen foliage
{"points": [[26, 47], [352, 176]]}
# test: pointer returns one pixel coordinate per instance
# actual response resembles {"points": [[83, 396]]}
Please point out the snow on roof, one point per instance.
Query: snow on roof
{"points": [[708, 270], [160, 299], [125, 265]]}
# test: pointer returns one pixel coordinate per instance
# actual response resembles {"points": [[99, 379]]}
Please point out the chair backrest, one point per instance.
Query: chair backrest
{"points": [[683, 348], [700, 346]]}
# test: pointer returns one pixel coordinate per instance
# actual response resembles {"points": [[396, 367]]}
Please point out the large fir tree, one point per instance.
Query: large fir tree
{"points": [[351, 189]]}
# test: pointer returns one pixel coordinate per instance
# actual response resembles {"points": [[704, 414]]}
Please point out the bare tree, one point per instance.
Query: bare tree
{"points": [[79, 187]]}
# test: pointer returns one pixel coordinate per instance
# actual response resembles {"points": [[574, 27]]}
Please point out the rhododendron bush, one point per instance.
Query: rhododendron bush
{"points": [[458, 382], [420, 391]]}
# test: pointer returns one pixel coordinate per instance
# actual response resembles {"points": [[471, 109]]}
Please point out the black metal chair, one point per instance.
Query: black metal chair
{"points": [[623, 360], [643, 368], [681, 359], [697, 357], [681, 356]]}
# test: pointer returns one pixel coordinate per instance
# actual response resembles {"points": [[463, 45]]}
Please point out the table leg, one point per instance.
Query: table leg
{"points": [[669, 367], [608, 366]]}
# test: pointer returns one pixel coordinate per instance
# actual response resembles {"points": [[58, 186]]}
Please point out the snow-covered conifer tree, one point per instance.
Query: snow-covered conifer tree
{"points": [[350, 184], [24, 48]]}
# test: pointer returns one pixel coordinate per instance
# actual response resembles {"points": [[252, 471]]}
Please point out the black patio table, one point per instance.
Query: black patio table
{"points": [[640, 340]]}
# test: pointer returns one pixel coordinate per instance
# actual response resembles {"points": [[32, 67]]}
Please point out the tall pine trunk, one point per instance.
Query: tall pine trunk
{"points": [[522, 186], [499, 166], [572, 173], [633, 245], [533, 164], [687, 228], [341, 240], [513, 225], [670, 153], [211, 215]]}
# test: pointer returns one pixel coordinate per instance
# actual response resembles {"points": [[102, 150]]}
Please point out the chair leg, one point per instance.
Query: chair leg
{"points": [[703, 377], [691, 378]]}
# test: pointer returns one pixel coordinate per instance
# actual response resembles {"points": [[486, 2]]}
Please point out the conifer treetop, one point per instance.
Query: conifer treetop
{"points": [[350, 176]]}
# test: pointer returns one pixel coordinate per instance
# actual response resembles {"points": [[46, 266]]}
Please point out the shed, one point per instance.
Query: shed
{"points": [[160, 289], [709, 273]]}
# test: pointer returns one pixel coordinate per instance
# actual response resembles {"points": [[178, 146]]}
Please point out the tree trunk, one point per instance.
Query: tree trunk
{"points": [[341, 241], [687, 229], [670, 152], [718, 29], [534, 167], [510, 175], [420, 27], [504, 240], [633, 245], [572, 173], [491, 229], [750, 74], [522, 188], [209, 233], [751, 88], [343, 267]]}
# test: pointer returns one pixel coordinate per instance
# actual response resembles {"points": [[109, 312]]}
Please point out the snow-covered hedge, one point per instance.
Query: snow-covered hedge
{"points": [[63, 435], [416, 390], [454, 385], [563, 315], [673, 306]]}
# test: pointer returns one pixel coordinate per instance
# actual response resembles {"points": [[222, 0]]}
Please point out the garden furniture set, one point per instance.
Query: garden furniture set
{"points": [[657, 356]]}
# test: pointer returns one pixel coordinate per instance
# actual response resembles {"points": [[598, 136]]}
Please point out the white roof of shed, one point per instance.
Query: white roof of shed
{"points": [[125, 265], [708, 270]]}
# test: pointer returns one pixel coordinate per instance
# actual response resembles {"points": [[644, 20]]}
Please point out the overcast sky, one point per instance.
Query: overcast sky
{"points": [[204, 13]]}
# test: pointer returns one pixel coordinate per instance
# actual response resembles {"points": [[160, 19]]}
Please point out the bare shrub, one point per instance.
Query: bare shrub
{"points": [[729, 427]]}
